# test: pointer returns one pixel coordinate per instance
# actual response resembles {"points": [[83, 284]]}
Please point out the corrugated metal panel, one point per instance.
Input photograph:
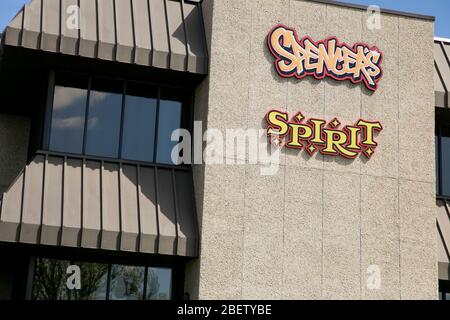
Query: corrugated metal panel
{"points": [[442, 73], [159, 33], [69, 36], [443, 225], [89, 203]]}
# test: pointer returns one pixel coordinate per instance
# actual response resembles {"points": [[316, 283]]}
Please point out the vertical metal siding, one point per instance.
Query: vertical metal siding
{"points": [[10, 216], [32, 197], [195, 37], [51, 15], [148, 210], [129, 209], [111, 208], [51, 215], [89, 203], [125, 33], [69, 35], [159, 33], [88, 33], [71, 226], [32, 25], [443, 225], [106, 27], [442, 73], [166, 212], [177, 35], [159, 30]]}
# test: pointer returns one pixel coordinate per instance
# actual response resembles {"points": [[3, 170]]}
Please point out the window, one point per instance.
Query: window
{"points": [[443, 160], [104, 118], [444, 290], [139, 123], [55, 279], [118, 119], [68, 116]]}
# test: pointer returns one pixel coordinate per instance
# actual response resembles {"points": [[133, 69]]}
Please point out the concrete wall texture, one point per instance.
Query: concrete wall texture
{"points": [[312, 230], [14, 136]]}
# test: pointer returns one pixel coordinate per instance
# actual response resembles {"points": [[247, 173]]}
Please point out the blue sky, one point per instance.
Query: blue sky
{"points": [[438, 8]]}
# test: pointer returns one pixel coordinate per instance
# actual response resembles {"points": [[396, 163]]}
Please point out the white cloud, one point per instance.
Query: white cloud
{"points": [[68, 123], [66, 97]]}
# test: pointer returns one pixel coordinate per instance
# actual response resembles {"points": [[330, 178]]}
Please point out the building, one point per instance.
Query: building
{"points": [[93, 206]]}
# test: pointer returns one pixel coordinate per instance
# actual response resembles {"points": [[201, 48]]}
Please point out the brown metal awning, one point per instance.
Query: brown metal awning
{"points": [[442, 73], [443, 225], [166, 34], [77, 202]]}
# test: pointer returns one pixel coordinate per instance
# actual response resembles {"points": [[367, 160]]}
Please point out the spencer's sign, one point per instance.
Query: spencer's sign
{"points": [[328, 138], [324, 58]]}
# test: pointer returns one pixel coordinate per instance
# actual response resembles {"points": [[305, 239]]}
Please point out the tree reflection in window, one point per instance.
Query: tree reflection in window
{"points": [[115, 119], [94, 279], [50, 281], [159, 284], [127, 283], [100, 281]]}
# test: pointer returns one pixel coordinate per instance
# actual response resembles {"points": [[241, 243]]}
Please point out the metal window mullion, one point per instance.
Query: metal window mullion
{"points": [[63, 178], [440, 159], [138, 199], [122, 118], [42, 199], [156, 178], [191, 125], [155, 143], [49, 111], [183, 18], [175, 198], [108, 281], [83, 169], [145, 283], [86, 115]]}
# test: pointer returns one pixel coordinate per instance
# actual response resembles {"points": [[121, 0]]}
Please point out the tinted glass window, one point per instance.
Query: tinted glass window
{"points": [[139, 123], [169, 120], [57, 280], [104, 118], [159, 284], [116, 119], [68, 115], [50, 280], [53, 277], [445, 164], [436, 145], [127, 283], [94, 280]]}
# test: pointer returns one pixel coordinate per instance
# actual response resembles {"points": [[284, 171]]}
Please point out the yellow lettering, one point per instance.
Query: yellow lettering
{"points": [[335, 143], [317, 126], [299, 132], [368, 129], [277, 126], [353, 138]]}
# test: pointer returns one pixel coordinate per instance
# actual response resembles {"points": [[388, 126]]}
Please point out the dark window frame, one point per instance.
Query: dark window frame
{"points": [[175, 280], [442, 119], [444, 289], [187, 116]]}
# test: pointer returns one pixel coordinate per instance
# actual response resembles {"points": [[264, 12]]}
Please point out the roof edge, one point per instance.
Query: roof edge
{"points": [[389, 11], [439, 39]]}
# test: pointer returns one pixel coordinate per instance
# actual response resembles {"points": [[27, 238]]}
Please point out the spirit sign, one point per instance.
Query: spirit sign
{"points": [[328, 138]]}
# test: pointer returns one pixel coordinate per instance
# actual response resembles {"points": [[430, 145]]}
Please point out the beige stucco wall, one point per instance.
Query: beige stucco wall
{"points": [[312, 230], [14, 136]]}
